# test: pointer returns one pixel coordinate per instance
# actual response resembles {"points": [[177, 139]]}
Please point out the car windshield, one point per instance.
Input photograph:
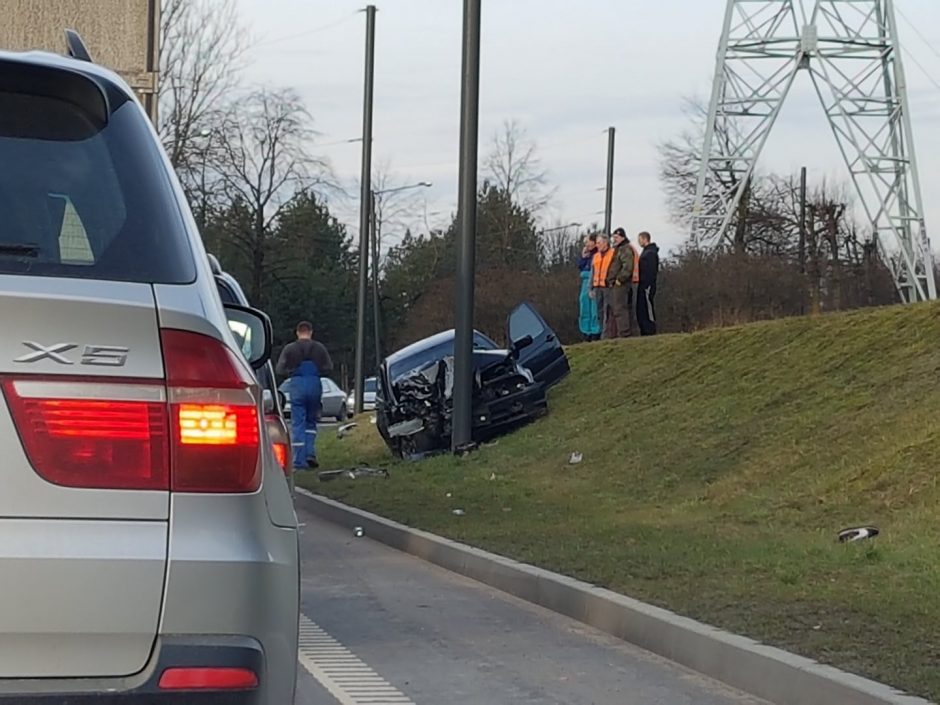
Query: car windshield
{"points": [[87, 199], [444, 349]]}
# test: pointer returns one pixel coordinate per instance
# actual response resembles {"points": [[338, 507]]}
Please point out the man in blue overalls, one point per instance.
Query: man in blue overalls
{"points": [[305, 361]]}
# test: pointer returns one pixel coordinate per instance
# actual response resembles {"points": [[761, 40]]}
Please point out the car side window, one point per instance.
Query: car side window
{"points": [[523, 322]]}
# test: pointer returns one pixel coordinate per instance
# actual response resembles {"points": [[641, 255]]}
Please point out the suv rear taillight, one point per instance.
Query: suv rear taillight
{"points": [[100, 435], [213, 416], [197, 432]]}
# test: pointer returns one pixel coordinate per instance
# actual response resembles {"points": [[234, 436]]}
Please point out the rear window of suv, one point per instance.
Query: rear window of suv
{"points": [[84, 195]]}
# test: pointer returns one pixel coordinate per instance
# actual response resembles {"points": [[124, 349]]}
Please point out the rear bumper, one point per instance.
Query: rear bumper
{"points": [[143, 689]]}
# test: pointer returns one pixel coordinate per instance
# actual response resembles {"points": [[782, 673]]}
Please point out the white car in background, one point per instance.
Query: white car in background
{"points": [[368, 397], [334, 400]]}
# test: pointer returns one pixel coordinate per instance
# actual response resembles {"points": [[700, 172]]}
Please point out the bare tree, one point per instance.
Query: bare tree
{"points": [[680, 164], [561, 245], [202, 48], [398, 210], [513, 166], [264, 160]]}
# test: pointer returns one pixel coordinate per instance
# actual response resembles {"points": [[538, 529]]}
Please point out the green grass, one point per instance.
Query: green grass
{"points": [[718, 468]]}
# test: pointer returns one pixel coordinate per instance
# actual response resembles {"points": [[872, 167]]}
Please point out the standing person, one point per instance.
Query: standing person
{"points": [[600, 266], [634, 283], [649, 274], [588, 321], [620, 283], [305, 361]]}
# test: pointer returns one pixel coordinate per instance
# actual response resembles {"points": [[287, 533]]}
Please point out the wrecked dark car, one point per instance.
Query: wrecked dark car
{"points": [[414, 404]]}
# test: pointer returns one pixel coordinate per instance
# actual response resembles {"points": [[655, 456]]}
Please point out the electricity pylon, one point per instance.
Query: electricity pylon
{"points": [[852, 52]]}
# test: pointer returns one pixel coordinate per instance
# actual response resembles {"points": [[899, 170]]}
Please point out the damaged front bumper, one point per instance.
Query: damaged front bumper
{"points": [[420, 422]]}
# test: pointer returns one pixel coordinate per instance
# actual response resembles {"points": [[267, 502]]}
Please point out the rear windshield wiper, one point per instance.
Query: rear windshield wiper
{"points": [[19, 249]]}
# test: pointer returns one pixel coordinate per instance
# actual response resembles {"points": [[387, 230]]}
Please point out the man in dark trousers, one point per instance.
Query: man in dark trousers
{"points": [[305, 361], [620, 283], [649, 273]]}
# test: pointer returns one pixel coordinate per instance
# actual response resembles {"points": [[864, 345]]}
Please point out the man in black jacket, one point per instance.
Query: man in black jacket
{"points": [[646, 294]]}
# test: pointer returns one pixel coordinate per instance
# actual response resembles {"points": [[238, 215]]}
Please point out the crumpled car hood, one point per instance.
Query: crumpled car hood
{"points": [[482, 360], [427, 393]]}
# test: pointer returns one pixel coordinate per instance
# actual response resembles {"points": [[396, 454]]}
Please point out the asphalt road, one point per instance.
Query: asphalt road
{"points": [[381, 627]]}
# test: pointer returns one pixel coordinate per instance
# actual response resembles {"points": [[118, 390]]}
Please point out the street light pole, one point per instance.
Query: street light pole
{"points": [[467, 214], [374, 241], [365, 204], [375, 286], [609, 205]]}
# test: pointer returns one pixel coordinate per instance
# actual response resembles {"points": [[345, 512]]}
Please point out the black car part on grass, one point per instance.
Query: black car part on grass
{"points": [[415, 401]]}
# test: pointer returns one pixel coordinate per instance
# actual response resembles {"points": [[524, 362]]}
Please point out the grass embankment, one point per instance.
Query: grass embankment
{"points": [[718, 468]]}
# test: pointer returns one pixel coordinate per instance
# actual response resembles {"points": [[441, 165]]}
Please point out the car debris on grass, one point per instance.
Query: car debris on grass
{"points": [[346, 429], [352, 473]]}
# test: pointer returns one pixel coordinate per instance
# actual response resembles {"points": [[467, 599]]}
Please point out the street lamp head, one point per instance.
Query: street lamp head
{"points": [[420, 184]]}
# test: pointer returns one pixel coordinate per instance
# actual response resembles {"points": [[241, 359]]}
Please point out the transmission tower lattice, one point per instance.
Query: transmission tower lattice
{"points": [[851, 50]]}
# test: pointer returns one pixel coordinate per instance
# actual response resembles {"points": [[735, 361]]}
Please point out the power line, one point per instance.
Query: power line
{"points": [[304, 33], [924, 71], [565, 143], [926, 41], [917, 32]]}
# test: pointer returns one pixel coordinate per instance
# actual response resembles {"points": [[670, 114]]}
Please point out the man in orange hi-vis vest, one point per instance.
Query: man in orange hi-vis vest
{"points": [[622, 278], [600, 268]]}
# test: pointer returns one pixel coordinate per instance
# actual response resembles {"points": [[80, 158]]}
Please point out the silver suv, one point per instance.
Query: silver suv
{"points": [[148, 542]]}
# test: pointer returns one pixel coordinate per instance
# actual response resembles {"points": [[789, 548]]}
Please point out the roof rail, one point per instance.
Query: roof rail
{"points": [[214, 263], [76, 47]]}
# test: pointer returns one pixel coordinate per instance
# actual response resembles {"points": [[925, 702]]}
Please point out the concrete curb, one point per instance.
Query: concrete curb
{"points": [[764, 671]]}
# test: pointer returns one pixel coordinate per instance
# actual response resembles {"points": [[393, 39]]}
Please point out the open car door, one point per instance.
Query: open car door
{"points": [[536, 345]]}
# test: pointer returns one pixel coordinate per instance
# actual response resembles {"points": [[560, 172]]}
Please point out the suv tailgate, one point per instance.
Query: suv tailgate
{"points": [[83, 567], [89, 222]]}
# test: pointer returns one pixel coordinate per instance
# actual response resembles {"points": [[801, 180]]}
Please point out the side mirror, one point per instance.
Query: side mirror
{"points": [[267, 401], [252, 332], [523, 342]]}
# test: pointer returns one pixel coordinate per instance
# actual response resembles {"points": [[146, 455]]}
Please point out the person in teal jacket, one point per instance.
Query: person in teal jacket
{"points": [[589, 322]]}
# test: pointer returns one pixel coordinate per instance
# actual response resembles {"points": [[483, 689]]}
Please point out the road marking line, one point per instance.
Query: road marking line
{"points": [[347, 678]]}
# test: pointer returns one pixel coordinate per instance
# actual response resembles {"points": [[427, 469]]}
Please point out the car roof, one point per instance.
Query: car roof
{"points": [[67, 63], [429, 342], [420, 346]]}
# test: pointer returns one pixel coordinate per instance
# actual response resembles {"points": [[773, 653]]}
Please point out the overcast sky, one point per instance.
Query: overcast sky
{"points": [[565, 69]]}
